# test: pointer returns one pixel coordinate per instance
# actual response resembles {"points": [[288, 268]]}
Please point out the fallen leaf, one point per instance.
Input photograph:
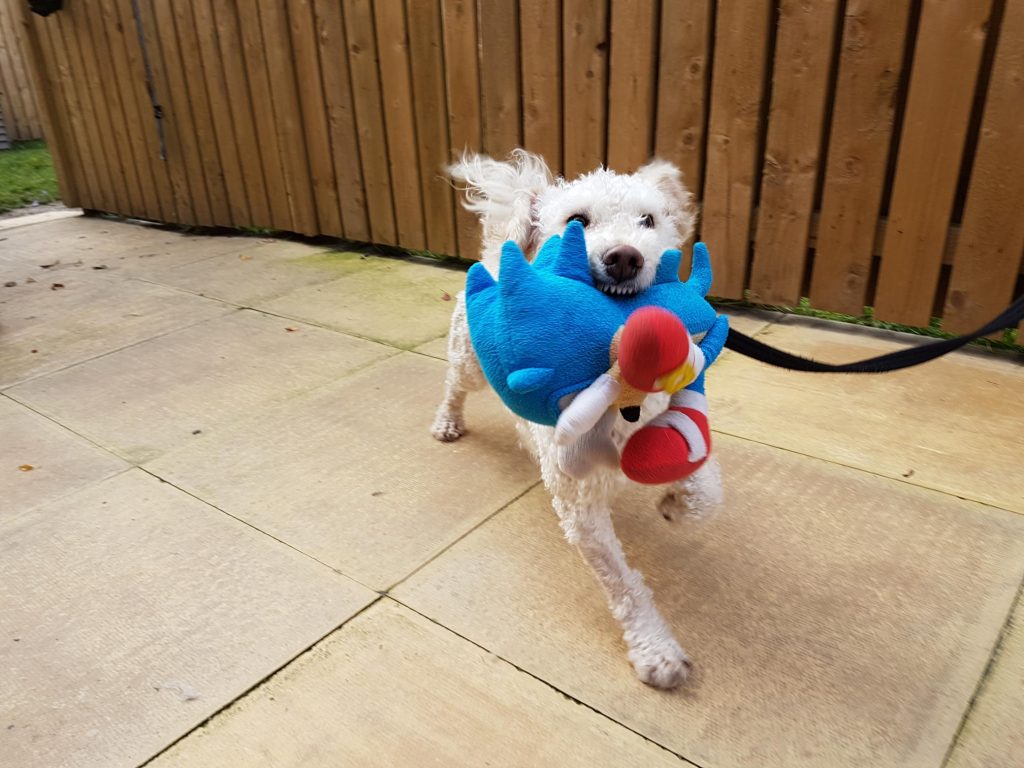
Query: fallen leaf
{"points": [[445, 296], [30, 280], [197, 431], [56, 286], [26, 467], [909, 473], [47, 266], [100, 266], [33, 351], [245, 257], [290, 329], [10, 284]]}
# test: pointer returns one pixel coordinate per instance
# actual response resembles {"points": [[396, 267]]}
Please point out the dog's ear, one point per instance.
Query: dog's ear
{"points": [[504, 194], [669, 179]]}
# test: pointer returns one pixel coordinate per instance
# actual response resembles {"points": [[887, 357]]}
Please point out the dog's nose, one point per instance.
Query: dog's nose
{"points": [[623, 262]]}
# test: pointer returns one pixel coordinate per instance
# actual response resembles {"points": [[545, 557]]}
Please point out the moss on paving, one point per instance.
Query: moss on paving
{"points": [[26, 176]]}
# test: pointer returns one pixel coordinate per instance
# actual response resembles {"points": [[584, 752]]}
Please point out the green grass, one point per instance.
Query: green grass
{"points": [[26, 176]]}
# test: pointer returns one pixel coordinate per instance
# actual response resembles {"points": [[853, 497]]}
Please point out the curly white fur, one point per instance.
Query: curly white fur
{"points": [[652, 211]]}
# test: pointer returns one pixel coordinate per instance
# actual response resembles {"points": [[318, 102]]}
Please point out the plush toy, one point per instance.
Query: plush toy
{"points": [[562, 353]]}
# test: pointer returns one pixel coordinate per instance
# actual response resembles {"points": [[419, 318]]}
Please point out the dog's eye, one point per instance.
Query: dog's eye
{"points": [[647, 220], [582, 218]]}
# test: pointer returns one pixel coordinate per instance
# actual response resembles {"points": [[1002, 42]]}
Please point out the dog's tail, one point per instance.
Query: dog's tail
{"points": [[503, 195]]}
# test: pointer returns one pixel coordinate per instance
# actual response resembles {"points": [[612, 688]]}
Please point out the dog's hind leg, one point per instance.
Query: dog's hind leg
{"points": [[464, 376], [657, 658], [696, 496]]}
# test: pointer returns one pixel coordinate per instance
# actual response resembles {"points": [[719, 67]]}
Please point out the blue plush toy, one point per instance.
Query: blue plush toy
{"points": [[550, 345]]}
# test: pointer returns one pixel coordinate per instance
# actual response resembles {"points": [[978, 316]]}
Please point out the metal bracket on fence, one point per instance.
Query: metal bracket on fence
{"points": [[158, 111]]}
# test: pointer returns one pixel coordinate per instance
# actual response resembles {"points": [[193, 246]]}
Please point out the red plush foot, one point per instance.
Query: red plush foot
{"points": [[660, 452], [654, 343]]}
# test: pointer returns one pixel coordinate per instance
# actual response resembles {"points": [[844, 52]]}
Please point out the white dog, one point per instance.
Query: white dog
{"points": [[630, 220]]}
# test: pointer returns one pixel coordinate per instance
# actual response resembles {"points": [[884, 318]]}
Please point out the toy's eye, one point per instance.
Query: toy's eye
{"points": [[582, 218], [647, 220]]}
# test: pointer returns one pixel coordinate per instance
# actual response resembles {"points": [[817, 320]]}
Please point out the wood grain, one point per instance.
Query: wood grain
{"points": [[800, 78], [742, 32], [864, 106], [988, 253], [585, 84], [462, 80], [631, 84], [540, 38], [930, 154]]}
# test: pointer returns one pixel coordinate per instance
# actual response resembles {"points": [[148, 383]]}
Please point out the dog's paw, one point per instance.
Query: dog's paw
{"points": [[447, 429], [674, 505], [697, 497], [663, 664]]}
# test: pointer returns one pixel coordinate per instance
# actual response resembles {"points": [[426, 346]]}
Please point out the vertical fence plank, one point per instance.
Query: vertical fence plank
{"points": [[499, 76], [742, 30], [119, 140], [803, 58], [867, 87], [987, 255], [462, 81], [256, 71], [54, 124], [91, 187], [366, 96], [176, 194], [287, 116], [314, 117], [634, 40], [584, 84], [222, 125], [931, 145], [424, 21], [181, 129], [78, 36], [138, 121], [341, 119], [396, 89], [9, 103], [21, 113], [242, 119], [683, 55], [68, 32], [540, 36]]}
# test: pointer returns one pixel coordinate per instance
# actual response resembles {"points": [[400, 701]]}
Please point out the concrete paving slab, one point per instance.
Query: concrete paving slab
{"points": [[41, 461], [130, 612], [836, 618], [993, 736], [953, 424], [351, 475], [401, 302], [121, 248], [144, 400], [255, 275], [390, 688], [47, 328]]}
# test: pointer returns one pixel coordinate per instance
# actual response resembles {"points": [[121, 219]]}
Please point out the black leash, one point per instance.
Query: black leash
{"points": [[893, 361]]}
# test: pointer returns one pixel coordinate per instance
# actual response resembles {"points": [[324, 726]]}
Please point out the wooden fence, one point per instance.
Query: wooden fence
{"points": [[17, 100], [856, 152]]}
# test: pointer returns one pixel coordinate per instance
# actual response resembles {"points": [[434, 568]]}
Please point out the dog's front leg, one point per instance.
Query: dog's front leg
{"points": [[464, 376], [657, 658]]}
